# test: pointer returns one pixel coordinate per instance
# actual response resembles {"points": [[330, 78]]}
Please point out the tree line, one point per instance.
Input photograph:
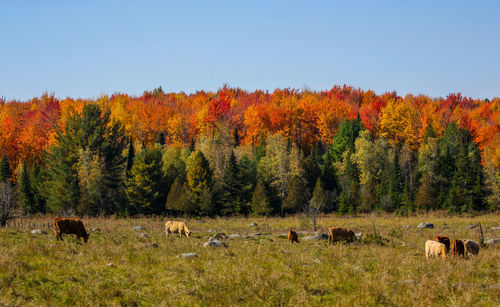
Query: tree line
{"points": [[94, 168]]}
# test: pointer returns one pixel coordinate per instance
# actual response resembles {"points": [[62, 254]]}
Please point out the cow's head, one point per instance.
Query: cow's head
{"points": [[86, 238], [188, 233]]}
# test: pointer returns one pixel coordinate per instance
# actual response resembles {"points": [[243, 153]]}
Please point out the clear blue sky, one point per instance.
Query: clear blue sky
{"points": [[86, 48]]}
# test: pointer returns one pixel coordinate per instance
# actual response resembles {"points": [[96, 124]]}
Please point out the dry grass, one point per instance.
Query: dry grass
{"points": [[38, 270]]}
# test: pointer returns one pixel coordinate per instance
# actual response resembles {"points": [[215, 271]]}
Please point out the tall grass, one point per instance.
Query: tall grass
{"points": [[257, 271]]}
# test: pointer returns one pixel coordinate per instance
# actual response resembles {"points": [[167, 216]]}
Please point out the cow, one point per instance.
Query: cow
{"points": [[70, 226], [471, 248], [445, 241], [336, 234], [292, 237], [176, 227], [434, 249], [457, 248]]}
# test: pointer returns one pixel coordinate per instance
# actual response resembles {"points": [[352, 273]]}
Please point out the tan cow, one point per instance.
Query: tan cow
{"points": [[293, 237], [336, 234], [434, 249], [471, 247], [176, 227], [70, 226]]}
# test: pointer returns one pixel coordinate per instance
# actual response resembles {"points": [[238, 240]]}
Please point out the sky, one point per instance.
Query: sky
{"points": [[89, 48]]}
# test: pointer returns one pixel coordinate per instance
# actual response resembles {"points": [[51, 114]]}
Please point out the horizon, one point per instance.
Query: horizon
{"points": [[85, 50]]}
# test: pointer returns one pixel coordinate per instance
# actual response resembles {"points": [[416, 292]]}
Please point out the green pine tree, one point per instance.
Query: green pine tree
{"points": [[5, 174], [260, 200], [297, 195], [145, 188], [26, 193]]}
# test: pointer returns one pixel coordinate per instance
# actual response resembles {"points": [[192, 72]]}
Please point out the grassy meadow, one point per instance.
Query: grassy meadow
{"points": [[118, 266]]}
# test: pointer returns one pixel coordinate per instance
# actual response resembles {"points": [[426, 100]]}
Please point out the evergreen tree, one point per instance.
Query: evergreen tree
{"points": [[36, 183], [91, 131], [130, 155], [429, 133], [260, 149], [261, 204], [426, 195], [26, 192], [232, 185], [5, 174], [145, 188], [199, 180], [192, 144], [297, 195], [346, 135], [312, 171], [236, 137]]}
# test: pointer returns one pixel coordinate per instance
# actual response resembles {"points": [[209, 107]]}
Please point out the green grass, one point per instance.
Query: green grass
{"points": [[38, 270]]}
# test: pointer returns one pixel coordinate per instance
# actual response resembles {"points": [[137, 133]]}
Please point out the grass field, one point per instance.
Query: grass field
{"points": [[256, 271]]}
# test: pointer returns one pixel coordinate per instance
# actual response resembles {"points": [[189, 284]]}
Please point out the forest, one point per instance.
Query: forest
{"points": [[235, 152]]}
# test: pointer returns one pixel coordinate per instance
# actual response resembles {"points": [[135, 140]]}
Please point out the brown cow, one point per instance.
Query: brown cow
{"points": [[457, 248], [70, 226], [444, 240], [292, 237], [336, 234]]}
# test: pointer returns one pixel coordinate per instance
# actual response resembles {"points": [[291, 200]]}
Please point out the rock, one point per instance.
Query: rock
{"points": [[407, 282], [492, 241], [318, 260], [445, 227], [188, 255], [495, 228], [472, 227], [407, 226], [153, 245], [253, 225], [245, 237], [143, 235], [111, 265], [258, 234], [211, 230], [38, 232], [95, 229], [141, 227], [214, 242], [359, 235], [234, 236], [316, 236], [425, 225], [494, 286], [220, 235]]}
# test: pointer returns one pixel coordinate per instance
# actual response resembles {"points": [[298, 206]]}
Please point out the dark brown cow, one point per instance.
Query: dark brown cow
{"points": [[444, 240], [336, 234], [70, 226], [293, 237], [458, 248]]}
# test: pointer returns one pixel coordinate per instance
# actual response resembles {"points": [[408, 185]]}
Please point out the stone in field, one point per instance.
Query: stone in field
{"points": [[359, 235], [38, 232], [472, 227], [153, 245], [140, 227], [253, 225], [95, 229], [214, 242], [188, 255], [234, 236], [316, 236], [495, 228], [143, 235], [492, 241], [425, 225], [220, 235]]}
